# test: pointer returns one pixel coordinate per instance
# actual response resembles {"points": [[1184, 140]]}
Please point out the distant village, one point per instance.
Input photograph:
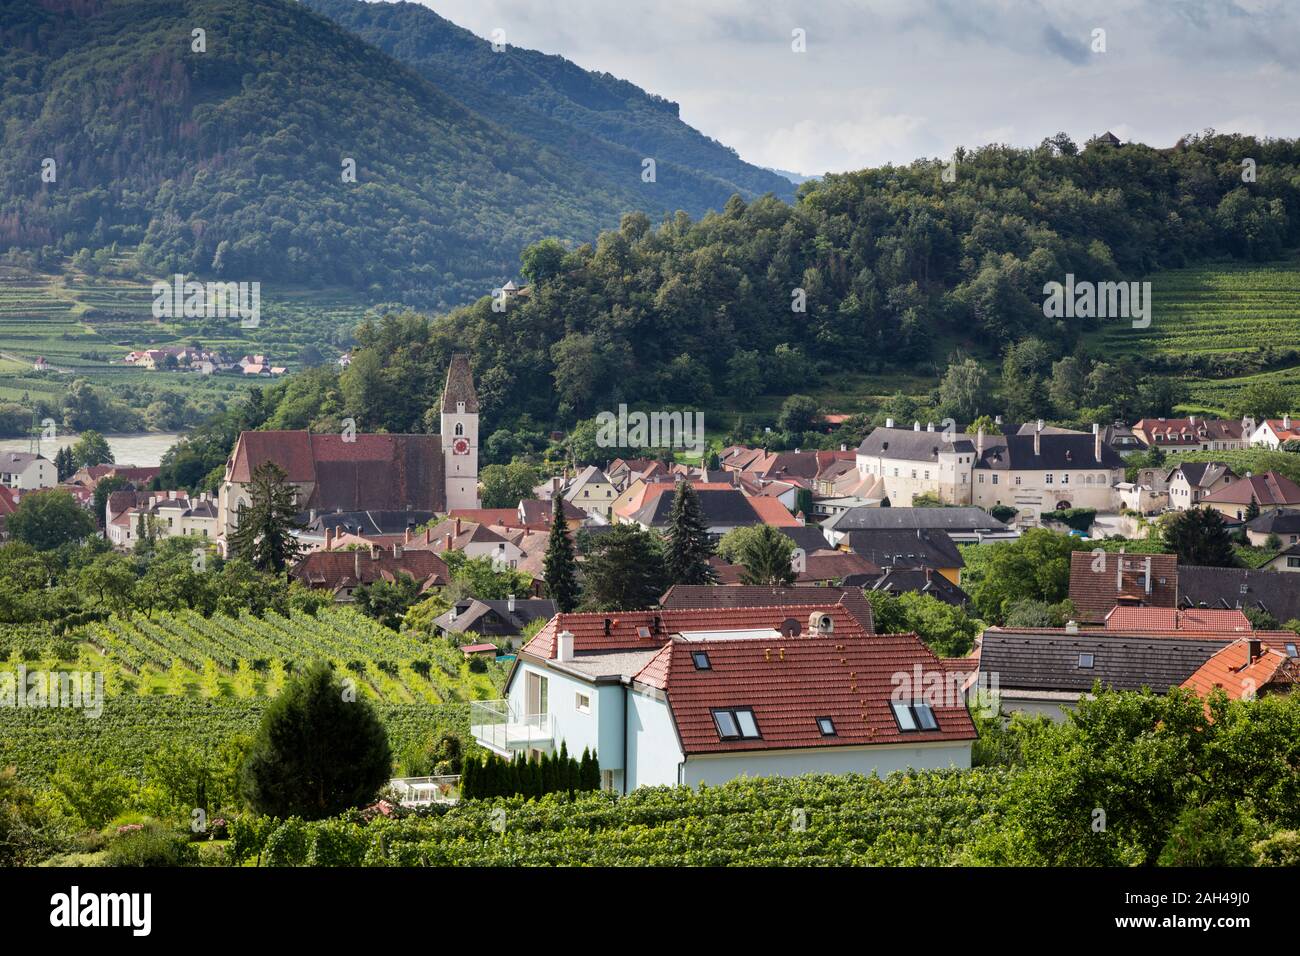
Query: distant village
{"points": [[888, 516]]}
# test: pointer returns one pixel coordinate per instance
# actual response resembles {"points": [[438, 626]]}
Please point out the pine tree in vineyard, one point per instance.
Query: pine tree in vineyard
{"points": [[264, 536], [689, 546]]}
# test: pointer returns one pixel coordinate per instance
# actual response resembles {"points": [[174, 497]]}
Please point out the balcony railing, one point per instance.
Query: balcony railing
{"points": [[426, 791], [497, 725]]}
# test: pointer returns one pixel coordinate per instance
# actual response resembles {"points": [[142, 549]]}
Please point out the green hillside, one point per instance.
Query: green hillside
{"points": [[230, 160]]}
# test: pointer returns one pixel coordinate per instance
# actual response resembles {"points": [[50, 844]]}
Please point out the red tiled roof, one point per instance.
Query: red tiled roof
{"points": [[772, 512], [835, 565], [1098, 582], [365, 472], [1269, 488], [589, 628], [1172, 619], [8, 500], [1230, 671], [790, 683], [501, 516], [468, 649], [1195, 634], [335, 569]]}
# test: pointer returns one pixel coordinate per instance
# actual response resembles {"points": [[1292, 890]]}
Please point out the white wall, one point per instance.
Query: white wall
{"points": [[880, 759], [654, 754]]}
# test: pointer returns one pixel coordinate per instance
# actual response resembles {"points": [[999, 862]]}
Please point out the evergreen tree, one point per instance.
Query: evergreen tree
{"points": [[1199, 536], [766, 558], [1252, 510], [689, 546], [591, 779], [264, 536], [468, 780], [560, 567], [624, 570], [319, 751]]}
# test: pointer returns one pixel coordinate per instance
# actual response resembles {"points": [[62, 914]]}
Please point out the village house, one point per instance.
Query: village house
{"points": [[1269, 492], [962, 525], [474, 539], [342, 572], [160, 514], [1247, 669], [1273, 432], [1100, 582], [1191, 481], [907, 550], [1037, 470], [1268, 591], [91, 475], [723, 508], [696, 696], [8, 505], [1287, 560], [1284, 523], [494, 620], [1195, 433], [27, 471], [1143, 499]]}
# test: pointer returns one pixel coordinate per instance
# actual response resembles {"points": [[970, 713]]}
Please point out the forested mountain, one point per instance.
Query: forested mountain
{"points": [[229, 161], [607, 124], [898, 267]]}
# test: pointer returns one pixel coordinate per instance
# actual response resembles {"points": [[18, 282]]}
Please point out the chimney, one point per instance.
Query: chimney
{"points": [[929, 426], [564, 646], [1071, 627], [889, 423], [406, 538], [997, 419], [510, 603], [329, 539], [843, 447], [1254, 649], [458, 527], [555, 488], [428, 534], [356, 566], [1286, 421], [1191, 420], [979, 442], [916, 426], [397, 550], [1038, 439], [1147, 577], [1096, 442], [447, 541]]}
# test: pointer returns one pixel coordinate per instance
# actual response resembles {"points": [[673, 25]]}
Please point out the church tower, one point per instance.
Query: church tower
{"points": [[460, 435]]}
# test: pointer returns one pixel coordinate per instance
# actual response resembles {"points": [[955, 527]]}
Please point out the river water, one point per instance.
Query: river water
{"points": [[144, 449]]}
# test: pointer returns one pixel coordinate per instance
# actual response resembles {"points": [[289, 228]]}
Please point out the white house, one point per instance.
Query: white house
{"points": [[1272, 432], [26, 471], [704, 695]]}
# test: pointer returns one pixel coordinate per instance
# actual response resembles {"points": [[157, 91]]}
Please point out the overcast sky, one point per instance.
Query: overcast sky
{"points": [[894, 80]]}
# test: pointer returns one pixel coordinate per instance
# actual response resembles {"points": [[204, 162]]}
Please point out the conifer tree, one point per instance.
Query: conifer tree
{"points": [[265, 533], [689, 545], [560, 567]]}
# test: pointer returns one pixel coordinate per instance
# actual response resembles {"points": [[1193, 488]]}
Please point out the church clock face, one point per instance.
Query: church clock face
{"points": [[460, 446]]}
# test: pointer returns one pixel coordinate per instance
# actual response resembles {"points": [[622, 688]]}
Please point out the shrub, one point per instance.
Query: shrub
{"points": [[287, 844], [152, 845], [1218, 834], [1281, 849]]}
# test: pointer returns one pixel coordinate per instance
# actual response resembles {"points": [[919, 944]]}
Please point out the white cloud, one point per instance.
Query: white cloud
{"points": [[894, 80]]}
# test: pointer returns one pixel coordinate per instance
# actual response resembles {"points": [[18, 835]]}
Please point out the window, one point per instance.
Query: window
{"points": [[1293, 562], [582, 703], [460, 429], [701, 659], [913, 715], [826, 726], [1065, 479], [1017, 479], [927, 476], [1086, 660], [1047, 478], [995, 479], [736, 723], [1290, 650]]}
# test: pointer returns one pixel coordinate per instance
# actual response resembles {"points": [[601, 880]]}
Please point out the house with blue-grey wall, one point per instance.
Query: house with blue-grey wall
{"points": [[705, 695]]}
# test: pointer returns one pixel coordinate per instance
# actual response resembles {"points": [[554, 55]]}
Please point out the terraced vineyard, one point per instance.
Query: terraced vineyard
{"points": [[188, 655], [1225, 307]]}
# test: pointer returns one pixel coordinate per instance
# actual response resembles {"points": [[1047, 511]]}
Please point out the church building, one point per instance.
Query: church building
{"points": [[364, 472]]}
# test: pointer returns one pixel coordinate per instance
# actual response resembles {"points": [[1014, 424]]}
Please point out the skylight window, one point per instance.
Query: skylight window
{"points": [[1290, 650], [701, 659], [826, 726], [736, 723], [1086, 660], [913, 715]]}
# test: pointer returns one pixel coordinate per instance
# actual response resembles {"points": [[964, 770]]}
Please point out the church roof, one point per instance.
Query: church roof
{"points": [[460, 385]]}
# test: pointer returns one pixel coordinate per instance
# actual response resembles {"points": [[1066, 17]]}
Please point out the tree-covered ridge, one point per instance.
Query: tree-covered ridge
{"points": [[230, 162], [897, 266], [607, 123]]}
